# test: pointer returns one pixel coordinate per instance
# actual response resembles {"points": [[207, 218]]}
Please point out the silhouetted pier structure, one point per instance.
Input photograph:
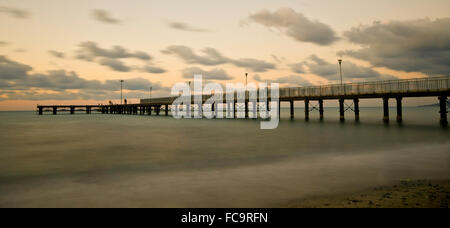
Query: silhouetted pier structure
{"points": [[386, 90]]}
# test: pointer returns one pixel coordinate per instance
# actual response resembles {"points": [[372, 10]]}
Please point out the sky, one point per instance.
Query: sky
{"points": [[75, 52]]}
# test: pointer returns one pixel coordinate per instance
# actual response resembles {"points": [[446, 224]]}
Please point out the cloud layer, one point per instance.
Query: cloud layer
{"points": [[215, 74], [292, 80], [16, 81], [112, 58], [412, 46], [212, 57], [295, 25], [351, 71]]}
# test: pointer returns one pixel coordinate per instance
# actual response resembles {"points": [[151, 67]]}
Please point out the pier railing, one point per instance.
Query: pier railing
{"points": [[433, 84], [414, 87]]}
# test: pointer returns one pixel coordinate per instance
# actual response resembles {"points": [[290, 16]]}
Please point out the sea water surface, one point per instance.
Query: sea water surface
{"points": [[141, 161]]}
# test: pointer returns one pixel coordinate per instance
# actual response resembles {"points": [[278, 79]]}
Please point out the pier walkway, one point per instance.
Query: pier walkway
{"points": [[386, 90]]}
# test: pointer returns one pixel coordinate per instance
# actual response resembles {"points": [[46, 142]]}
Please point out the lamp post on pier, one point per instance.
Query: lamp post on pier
{"points": [[121, 86], [340, 69], [151, 87]]}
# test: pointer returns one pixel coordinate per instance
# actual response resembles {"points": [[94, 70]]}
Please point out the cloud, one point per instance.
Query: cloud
{"points": [[278, 59], [153, 70], [20, 50], [412, 46], [57, 54], [14, 12], [3, 43], [212, 57], [104, 16], [184, 27], [114, 64], [112, 58], [12, 70], [295, 25], [90, 50], [350, 70], [253, 64], [16, 82], [291, 80], [215, 74], [297, 68]]}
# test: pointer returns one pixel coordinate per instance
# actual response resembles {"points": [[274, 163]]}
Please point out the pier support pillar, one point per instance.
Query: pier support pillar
{"points": [[399, 109], [149, 110], [158, 110], [443, 110], [246, 109], [386, 109], [341, 110], [306, 110], [88, 110], [167, 109], [356, 106], [55, 110], [72, 110], [41, 110], [321, 109], [291, 104], [234, 110]]}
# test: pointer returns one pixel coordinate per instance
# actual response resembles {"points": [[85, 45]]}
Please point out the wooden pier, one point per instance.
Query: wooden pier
{"points": [[396, 90]]}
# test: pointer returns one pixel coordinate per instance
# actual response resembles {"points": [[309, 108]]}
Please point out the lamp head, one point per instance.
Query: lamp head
{"points": [[340, 61]]}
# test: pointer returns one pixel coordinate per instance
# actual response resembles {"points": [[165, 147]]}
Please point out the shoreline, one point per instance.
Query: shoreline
{"points": [[404, 194]]}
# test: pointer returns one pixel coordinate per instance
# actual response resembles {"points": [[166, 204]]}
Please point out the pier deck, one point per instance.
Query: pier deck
{"points": [[394, 89]]}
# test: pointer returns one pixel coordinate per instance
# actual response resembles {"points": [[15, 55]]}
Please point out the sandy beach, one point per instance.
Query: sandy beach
{"points": [[405, 194]]}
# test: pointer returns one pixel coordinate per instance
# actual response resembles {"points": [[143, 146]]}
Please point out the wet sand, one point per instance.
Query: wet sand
{"points": [[405, 194]]}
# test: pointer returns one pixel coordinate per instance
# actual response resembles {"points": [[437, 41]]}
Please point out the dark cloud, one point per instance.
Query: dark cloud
{"points": [[184, 27], [3, 43], [295, 25], [114, 64], [411, 46], [153, 70], [14, 12], [291, 80], [17, 82], [253, 64], [12, 70], [215, 74], [104, 16], [90, 50], [297, 68], [350, 70], [112, 58], [57, 54], [213, 57]]}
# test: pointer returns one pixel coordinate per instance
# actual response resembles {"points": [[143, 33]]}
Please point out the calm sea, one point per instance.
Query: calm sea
{"points": [[141, 161]]}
